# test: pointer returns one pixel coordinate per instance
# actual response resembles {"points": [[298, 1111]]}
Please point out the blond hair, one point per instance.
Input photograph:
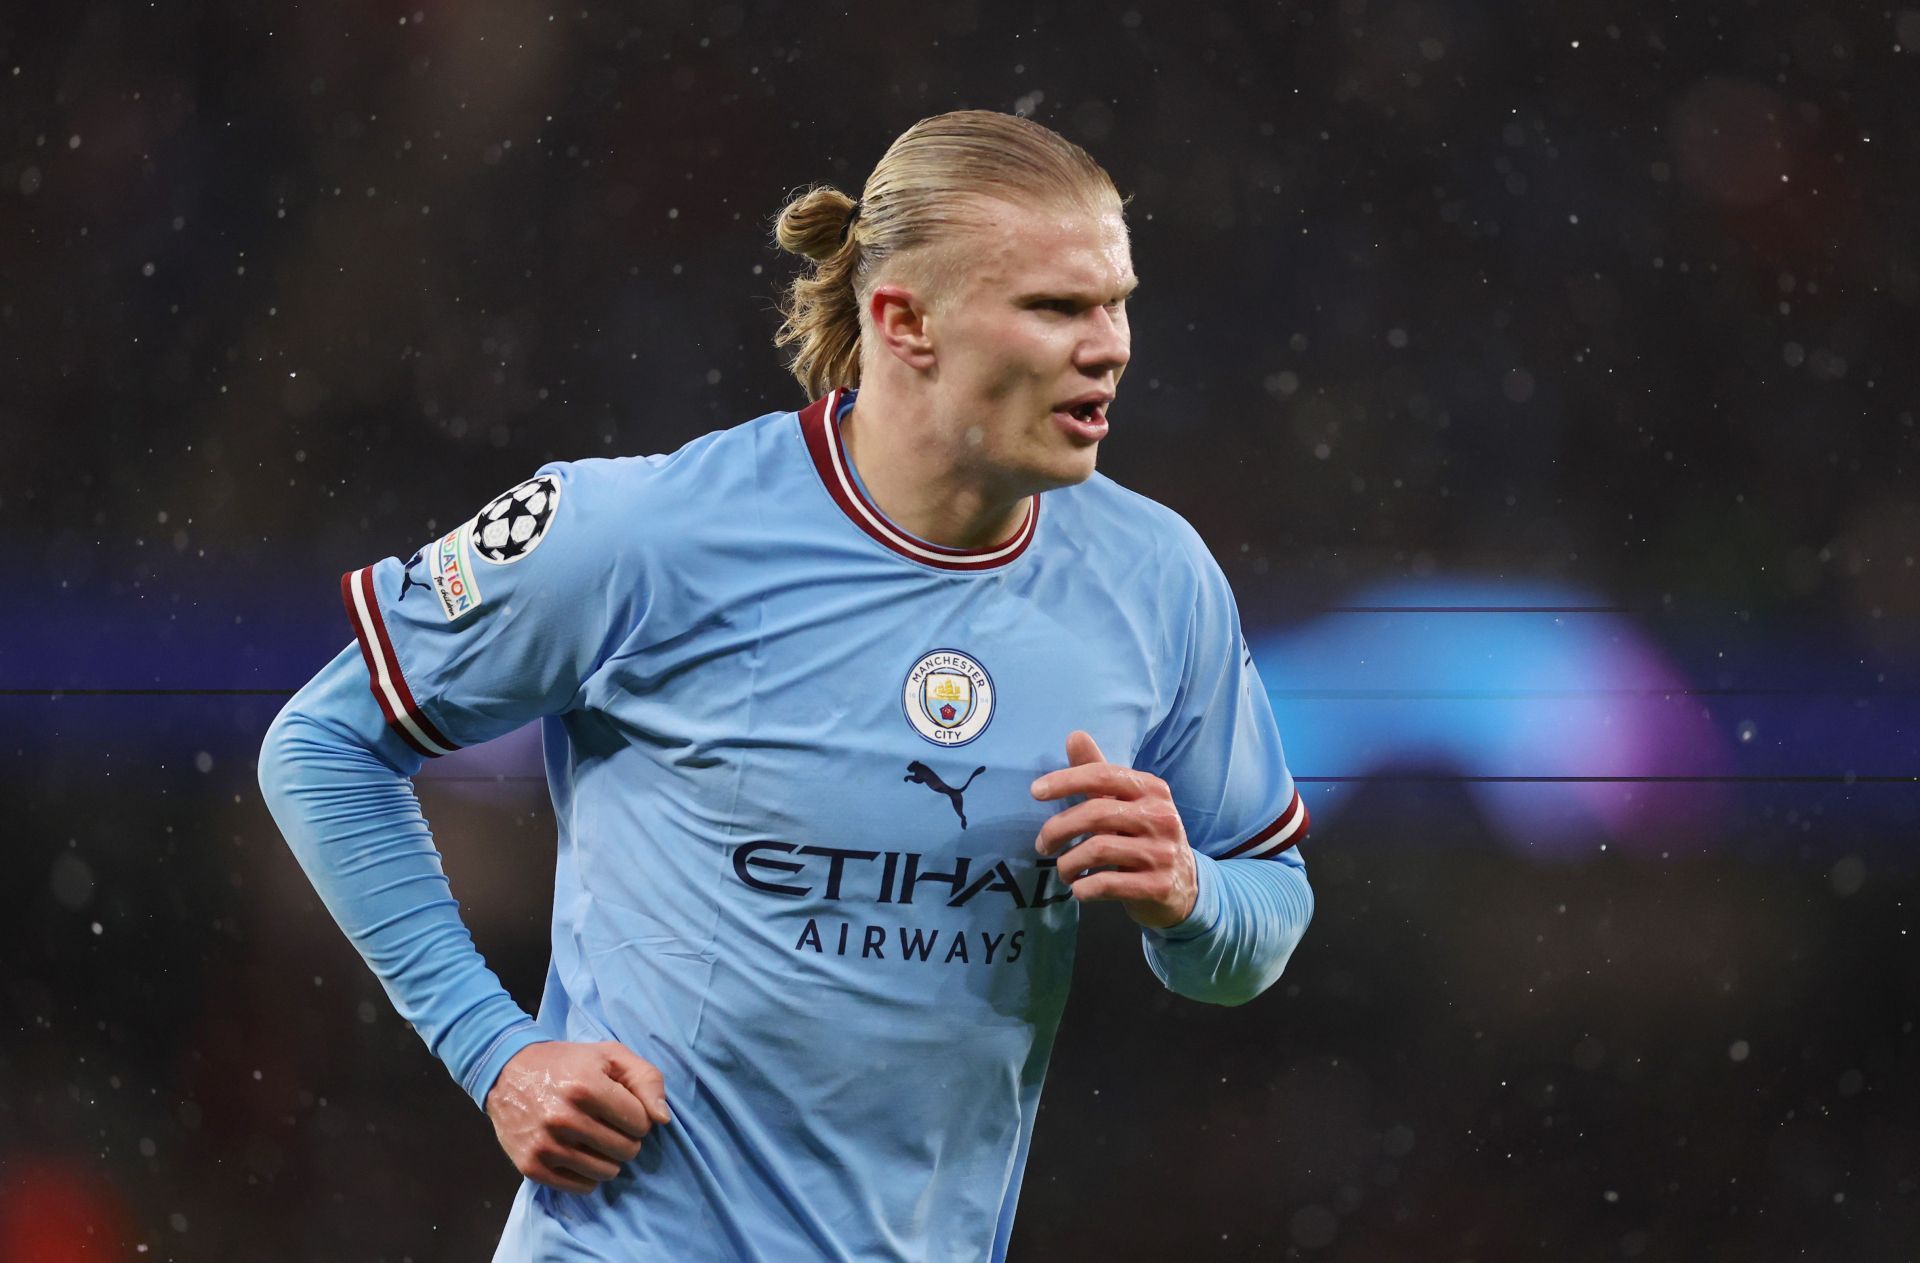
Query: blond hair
{"points": [[928, 182]]}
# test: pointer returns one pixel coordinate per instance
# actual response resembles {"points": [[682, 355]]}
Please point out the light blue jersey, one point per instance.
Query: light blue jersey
{"points": [[790, 750]]}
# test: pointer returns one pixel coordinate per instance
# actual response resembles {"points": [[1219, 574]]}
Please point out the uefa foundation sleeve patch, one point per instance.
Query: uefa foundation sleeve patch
{"points": [[454, 581]]}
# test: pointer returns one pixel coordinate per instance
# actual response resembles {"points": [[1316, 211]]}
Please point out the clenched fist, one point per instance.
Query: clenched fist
{"points": [[1135, 853], [571, 1115]]}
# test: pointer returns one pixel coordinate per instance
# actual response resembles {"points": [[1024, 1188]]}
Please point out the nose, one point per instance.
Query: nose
{"points": [[1108, 343]]}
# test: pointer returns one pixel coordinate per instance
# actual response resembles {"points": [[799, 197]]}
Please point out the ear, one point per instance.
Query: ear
{"points": [[900, 325]]}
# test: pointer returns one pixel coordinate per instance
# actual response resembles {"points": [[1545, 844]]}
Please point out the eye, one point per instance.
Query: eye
{"points": [[1062, 306]]}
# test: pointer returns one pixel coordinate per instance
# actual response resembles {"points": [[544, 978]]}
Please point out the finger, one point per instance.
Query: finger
{"points": [[587, 1166], [1104, 850], [589, 1133], [612, 1102], [1096, 815], [1107, 780], [553, 1177], [1114, 885], [643, 1079], [1082, 749]]}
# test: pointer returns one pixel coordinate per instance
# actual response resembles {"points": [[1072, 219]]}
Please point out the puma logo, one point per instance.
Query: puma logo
{"points": [[406, 576], [920, 774]]}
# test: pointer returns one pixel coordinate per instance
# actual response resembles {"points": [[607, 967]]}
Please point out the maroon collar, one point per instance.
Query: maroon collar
{"points": [[820, 426]]}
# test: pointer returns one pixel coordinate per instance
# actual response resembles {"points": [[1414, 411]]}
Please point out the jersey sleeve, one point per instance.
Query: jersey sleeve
{"points": [[502, 619], [1218, 747], [336, 783]]}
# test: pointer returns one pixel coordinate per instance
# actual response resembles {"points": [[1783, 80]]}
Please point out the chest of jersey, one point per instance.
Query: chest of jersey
{"points": [[864, 739]]}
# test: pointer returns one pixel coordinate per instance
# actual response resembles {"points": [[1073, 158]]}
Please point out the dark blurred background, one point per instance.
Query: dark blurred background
{"points": [[1543, 376]]}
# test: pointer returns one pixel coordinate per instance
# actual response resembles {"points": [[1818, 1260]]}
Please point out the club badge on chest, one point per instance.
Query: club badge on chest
{"points": [[948, 697]]}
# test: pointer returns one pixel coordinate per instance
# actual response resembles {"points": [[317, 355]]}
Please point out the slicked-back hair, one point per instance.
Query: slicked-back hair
{"points": [[924, 190]]}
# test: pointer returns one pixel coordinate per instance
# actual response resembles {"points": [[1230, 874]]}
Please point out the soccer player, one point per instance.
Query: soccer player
{"points": [[847, 712]]}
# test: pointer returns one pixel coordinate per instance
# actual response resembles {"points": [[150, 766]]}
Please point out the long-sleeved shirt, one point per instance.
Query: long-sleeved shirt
{"points": [[789, 747]]}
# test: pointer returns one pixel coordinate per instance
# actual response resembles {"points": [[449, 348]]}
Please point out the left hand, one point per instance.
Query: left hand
{"points": [[1135, 837]]}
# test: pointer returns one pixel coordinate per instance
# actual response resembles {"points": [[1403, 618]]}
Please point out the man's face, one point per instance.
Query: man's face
{"points": [[1031, 338]]}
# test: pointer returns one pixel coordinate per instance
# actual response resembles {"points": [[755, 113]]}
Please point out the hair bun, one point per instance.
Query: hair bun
{"points": [[814, 223]]}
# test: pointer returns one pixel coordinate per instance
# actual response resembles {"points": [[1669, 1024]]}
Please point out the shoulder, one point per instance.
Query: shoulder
{"points": [[1133, 534], [630, 497], [608, 480]]}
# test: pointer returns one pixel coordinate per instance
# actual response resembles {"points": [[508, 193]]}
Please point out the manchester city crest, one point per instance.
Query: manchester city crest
{"points": [[948, 698]]}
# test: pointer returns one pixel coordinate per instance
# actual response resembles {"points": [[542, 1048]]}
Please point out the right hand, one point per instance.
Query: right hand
{"points": [[571, 1115]]}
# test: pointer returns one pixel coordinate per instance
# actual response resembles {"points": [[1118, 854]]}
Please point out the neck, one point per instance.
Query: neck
{"points": [[906, 457]]}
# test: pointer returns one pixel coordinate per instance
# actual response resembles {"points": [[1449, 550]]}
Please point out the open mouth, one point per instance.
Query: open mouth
{"points": [[1084, 421]]}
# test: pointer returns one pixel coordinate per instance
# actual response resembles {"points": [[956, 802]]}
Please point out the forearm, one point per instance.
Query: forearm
{"points": [[1248, 917], [341, 795]]}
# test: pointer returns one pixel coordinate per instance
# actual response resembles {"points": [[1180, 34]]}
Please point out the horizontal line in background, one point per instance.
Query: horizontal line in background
{"points": [[1534, 695], [1481, 609], [154, 692], [1319, 695], [1416, 778]]}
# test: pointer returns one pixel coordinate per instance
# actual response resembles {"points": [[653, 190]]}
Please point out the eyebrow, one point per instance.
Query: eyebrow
{"points": [[1075, 291]]}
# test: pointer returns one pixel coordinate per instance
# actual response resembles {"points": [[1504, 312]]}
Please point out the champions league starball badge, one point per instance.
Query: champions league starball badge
{"points": [[948, 698], [513, 523]]}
